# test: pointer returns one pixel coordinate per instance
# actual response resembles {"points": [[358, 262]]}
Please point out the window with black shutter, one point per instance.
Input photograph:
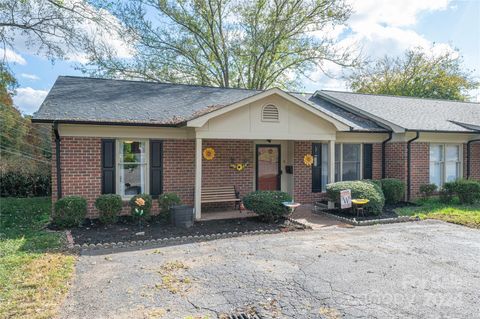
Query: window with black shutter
{"points": [[108, 166], [367, 161], [156, 167]]}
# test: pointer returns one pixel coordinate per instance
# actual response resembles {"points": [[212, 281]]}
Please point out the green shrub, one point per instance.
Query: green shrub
{"points": [[22, 178], [360, 189], [267, 204], [140, 207], [393, 190], [447, 192], [468, 191], [167, 200], [69, 211], [427, 190], [109, 205]]}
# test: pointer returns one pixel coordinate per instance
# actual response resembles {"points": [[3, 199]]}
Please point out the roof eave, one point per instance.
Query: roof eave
{"points": [[110, 123]]}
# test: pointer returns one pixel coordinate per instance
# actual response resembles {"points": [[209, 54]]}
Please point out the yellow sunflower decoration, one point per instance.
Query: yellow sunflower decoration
{"points": [[308, 160], [209, 153], [239, 167]]}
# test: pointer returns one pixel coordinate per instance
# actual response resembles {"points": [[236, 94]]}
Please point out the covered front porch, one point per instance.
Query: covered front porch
{"points": [[249, 165]]}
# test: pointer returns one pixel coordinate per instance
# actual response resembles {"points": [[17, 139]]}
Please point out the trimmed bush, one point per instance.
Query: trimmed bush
{"points": [[447, 192], [427, 190], [108, 205], [393, 190], [69, 211], [167, 200], [140, 207], [360, 189], [267, 204], [468, 191]]}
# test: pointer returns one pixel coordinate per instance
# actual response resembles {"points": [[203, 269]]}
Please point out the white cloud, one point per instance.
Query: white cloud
{"points": [[29, 76], [12, 57], [380, 27], [28, 99]]}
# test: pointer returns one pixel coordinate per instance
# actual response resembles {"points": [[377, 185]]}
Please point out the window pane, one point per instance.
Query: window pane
{"points": [[324, 166], [351, 171], [351, 152], [351, 162], [436, 153], [133, 152], [452, 171], [452, 153], [436, 169], [132, 179]]}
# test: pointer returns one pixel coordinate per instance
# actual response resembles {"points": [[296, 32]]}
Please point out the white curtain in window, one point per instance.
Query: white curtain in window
{"points": [[452, 162], [436, 164]]}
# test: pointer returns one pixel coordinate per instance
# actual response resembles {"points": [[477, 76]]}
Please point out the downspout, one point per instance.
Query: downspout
{"points": [[468, 155], [384, 144], [409, 164], [57, 158]]}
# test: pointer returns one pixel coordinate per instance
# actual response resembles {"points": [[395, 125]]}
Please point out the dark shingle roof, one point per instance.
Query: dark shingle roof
{"points": [[415, 113], [103, 100], [119, 101]]}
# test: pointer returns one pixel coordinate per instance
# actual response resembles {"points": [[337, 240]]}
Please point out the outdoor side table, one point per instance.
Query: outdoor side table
{"points": [[359, 203], [291, 206]]}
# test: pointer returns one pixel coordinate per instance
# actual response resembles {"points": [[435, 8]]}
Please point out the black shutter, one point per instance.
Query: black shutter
{"points": [[367, 161], [317, 167], [156, 168], [108, 166]]}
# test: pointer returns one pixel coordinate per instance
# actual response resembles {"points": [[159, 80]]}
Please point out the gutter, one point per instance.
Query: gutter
{"points": [[409, 164], [57, 158], [384, 144], [106, 123], [468, 155]]}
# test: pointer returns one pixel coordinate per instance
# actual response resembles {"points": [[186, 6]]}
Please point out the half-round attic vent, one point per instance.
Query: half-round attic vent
{"points": [[270, 113]]}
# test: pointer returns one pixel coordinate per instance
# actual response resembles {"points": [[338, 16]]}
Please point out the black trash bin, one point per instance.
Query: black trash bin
{"points": [[182, 216]]}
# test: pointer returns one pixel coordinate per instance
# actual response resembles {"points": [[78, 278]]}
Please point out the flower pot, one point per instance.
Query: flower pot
{"points": [[182, 216]]}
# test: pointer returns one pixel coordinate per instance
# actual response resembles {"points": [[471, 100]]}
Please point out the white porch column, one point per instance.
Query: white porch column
{"points": [[331, 166], [198, 178]]}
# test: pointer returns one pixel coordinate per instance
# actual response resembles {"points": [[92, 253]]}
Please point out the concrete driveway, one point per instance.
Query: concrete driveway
{"points": [[424, 269]]}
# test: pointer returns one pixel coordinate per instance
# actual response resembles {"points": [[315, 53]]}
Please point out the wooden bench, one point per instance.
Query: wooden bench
{"points": [[220, 194]]}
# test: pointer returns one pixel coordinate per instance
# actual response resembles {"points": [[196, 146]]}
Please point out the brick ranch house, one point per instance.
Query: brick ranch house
{"points": [[129, 137]]}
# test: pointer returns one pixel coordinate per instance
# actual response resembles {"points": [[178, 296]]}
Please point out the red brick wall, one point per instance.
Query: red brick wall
{"points": [[377, 161], [420, 174], [80, 168], [179, 169], [217, 172], [396, 160], [302, 174], [474, 160]]}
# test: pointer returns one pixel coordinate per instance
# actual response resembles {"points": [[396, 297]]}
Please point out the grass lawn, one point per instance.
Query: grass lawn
{"points": [[467, 215], [34, 272]]}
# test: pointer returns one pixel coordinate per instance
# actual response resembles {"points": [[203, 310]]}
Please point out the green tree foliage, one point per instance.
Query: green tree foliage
{"points": [[416, 74], [254, 44]]}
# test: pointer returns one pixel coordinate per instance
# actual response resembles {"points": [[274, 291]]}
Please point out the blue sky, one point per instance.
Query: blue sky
{"points": [[377, 27]]}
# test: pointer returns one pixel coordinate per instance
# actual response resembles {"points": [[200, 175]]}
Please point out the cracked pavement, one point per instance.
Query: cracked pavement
{"points": [[427, 269]]}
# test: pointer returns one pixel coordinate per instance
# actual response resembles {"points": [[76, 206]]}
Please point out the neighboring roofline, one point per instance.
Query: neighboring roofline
{"points": [[120, 123], [472, 127], [403, 97], [441, 131], [202, 119], [382, 122]]}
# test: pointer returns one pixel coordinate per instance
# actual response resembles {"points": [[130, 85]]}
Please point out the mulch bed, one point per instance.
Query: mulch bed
{"points": [[388, 212], [125, 231]]}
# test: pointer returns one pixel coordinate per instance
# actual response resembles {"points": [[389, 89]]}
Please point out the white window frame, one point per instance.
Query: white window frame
{"points": [[119, 144], [444, 156], [340, 173]]}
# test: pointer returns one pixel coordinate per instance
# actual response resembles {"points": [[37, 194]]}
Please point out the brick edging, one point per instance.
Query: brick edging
{"points": [[354, 222]]}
